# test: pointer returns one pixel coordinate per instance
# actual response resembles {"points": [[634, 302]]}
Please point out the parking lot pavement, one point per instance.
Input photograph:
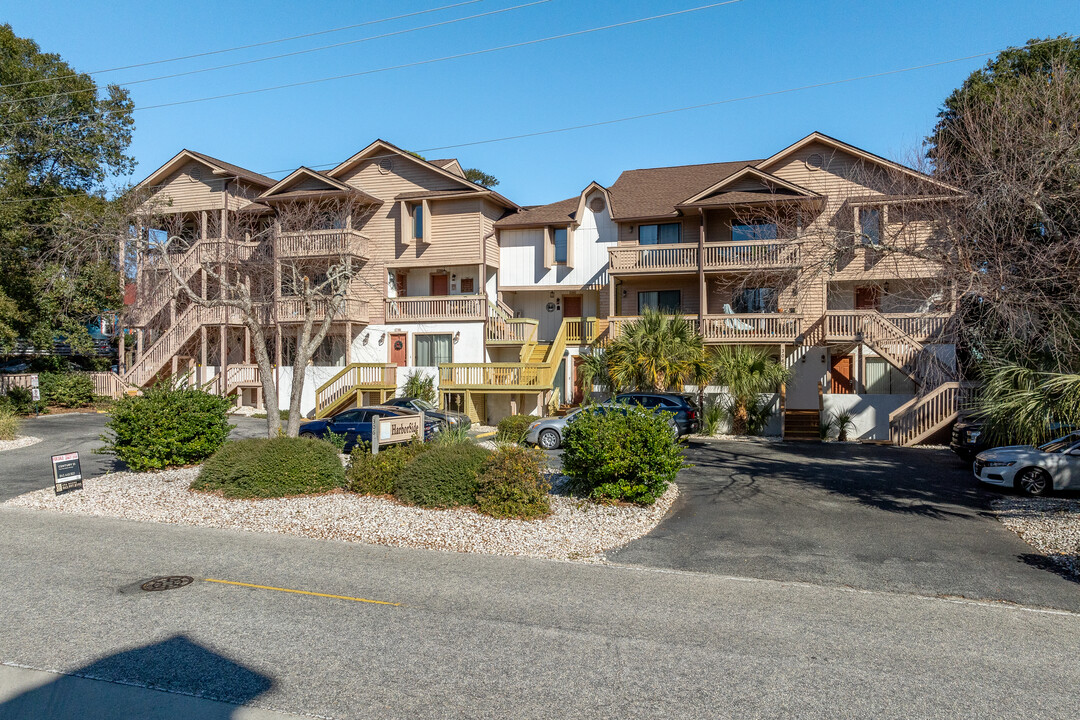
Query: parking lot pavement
{"points": [[28, 468], [868, 517]]}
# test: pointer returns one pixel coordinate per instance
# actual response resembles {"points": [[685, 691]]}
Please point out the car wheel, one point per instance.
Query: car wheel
{"points": [[309, 436], [1034, 481], [549, 439]]}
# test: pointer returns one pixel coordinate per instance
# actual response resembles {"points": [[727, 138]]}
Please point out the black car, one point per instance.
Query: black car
{"points": [[681, 405], [355, 424], [449, 419], [969, 438]]}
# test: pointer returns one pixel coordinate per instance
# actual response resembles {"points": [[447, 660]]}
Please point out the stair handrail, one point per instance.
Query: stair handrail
{"points": [[913, 420]]}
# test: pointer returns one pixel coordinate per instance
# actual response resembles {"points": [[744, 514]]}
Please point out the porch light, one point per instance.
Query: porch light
{"points": [[457, 336], [382, 338]]}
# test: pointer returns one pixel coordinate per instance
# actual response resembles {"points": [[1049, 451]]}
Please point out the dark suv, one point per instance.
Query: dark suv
{"points": [[681, 405]]}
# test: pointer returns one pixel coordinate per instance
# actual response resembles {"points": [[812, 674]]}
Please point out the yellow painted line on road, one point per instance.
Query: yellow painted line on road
{"points": [[302, 592]]}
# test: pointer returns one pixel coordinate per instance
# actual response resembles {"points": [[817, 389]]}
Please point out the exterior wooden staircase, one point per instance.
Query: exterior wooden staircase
{"points": [[802, 425]]}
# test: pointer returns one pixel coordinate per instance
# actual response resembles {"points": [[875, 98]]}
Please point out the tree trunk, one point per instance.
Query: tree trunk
{"points": [[266, 376]]}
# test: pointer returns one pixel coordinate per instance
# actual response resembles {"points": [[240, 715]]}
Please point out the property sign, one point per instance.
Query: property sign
{"points": [[399, 429], [35, 394], [67, 472]]}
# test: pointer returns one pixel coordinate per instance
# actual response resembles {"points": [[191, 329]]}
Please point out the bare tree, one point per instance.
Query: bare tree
{"points": [[287, 268]]}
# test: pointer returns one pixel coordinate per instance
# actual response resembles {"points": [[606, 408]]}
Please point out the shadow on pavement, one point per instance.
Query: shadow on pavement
{"points": [[190, 673]]}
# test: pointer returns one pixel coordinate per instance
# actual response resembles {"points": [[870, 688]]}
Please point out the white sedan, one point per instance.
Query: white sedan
{"points": [[1034, 470]]}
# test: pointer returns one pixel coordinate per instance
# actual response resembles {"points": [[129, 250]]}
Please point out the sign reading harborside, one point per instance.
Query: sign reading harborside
{"points": [[67, 472]]}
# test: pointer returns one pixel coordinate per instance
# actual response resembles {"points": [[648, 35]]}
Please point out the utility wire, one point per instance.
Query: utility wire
{"points": [[245, 47], [628, 118], [416, 63], [288, 54]]}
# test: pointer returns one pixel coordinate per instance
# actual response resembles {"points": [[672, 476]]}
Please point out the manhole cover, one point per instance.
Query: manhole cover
{"points": [[167, 583]]}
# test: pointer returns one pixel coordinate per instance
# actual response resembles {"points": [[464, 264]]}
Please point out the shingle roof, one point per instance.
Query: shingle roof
{"points": [[559, 213], [654, 192], [236, 169], [742, 197]]}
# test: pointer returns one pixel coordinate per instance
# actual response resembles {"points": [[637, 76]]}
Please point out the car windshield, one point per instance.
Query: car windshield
{"points": [[424, 405], [1061, 444]]}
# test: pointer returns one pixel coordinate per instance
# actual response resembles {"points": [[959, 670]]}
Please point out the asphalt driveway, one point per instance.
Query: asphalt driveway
{"points": [[28, 468], [868, 517]]}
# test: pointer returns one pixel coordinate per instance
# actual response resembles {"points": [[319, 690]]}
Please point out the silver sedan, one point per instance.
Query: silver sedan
{"points": [[548, 433]]}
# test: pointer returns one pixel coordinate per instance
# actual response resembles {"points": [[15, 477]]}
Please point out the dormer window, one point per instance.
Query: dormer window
{"points": [[418, 222], [870, 225], [559, 235]]}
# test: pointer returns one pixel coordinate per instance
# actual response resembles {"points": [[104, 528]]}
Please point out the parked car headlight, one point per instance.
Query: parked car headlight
{"points": [[998, 463], [534, 425]]}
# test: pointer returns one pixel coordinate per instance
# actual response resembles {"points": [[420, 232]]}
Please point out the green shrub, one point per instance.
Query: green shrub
{"points": [[419, 384], [375, 474], [612, 456], [711, 417], [513, 428], [268, 468], [66, 389], [166, 426], [20, 401], [9, 424], [454, 435], [512, 484], [443, 476], [337, 440]]}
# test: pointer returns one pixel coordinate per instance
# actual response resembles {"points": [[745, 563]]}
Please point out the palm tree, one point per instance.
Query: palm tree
{"points": [[656, 352], [595, 370], [747, 371], [1022, 404]]}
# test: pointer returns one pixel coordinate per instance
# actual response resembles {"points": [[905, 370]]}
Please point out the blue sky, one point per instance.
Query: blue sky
{"points": [[744, 48]]}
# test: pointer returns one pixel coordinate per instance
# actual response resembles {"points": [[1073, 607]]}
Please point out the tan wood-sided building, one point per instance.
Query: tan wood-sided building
{"points": [[783, 252], [423, 296]]}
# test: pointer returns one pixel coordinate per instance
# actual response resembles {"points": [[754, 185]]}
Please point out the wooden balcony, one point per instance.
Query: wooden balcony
{"points": [[849, 325], [512, 331], [653, 259], [681, 258], [763, 328], [291, 310], [770, 254], [321, 244], [436, 308]]}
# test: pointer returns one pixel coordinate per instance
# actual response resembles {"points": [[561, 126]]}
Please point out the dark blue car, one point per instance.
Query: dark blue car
{"points": [[355, 424]]}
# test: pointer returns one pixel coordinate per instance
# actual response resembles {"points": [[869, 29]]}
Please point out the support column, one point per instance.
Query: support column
{"points": [[223, 365], [348, 343], [703, 295], [247, 345], [121, 354], [203, 352], [611, 294]]}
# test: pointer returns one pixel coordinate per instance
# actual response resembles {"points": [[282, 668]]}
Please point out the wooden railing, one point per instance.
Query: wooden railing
{"points": [[484, 375], [921, 417], [750, 255], [744, 327], [319, 243], [291, 310], [653, 258], [109, 384], [847, 324], [163, 349], [515, 331], [17, 380], [581, 331], [242, 375], [354, 378], [437, 307]]}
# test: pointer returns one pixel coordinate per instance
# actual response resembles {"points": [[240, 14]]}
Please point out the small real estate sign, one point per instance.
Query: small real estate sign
{"points": [[399, 429], [67, 472]]}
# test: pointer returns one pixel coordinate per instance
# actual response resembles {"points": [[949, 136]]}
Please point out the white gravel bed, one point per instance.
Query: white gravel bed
{"points": [[1050, 525], [740, 438], [575, 530], [19, 442]]}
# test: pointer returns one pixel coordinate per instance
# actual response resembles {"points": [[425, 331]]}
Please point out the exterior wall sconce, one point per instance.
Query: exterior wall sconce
{"points": [[457, 336], [382, 338]]}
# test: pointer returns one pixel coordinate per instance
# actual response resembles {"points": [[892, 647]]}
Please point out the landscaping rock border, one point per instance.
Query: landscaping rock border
{"points": [[575, 530], [1050, 525], [19, 442]]}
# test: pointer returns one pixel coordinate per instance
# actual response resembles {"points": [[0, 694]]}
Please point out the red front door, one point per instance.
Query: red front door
{"points": [[399, 349], [841, 375], [571, 306], [439, 285]]}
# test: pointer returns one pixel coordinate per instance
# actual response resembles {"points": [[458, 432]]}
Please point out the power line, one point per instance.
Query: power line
{"points": [[417, 63], [288, 54], [246, 47], [670, 111]]}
